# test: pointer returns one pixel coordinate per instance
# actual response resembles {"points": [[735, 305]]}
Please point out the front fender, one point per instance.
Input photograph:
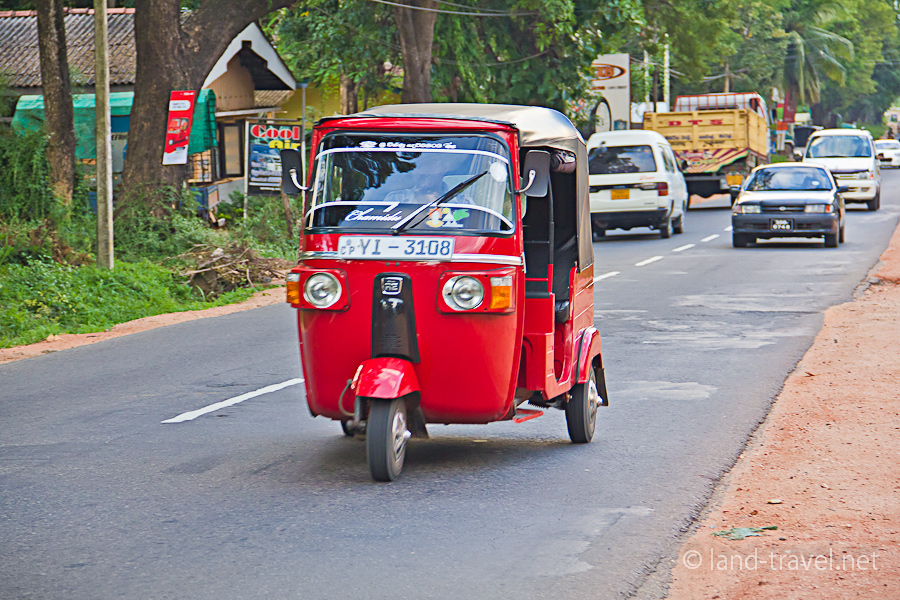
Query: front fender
{"points": [[385, 378]]}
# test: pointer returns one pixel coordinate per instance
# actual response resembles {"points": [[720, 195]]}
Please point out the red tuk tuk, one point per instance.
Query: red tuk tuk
{"points": [[436, 285]]}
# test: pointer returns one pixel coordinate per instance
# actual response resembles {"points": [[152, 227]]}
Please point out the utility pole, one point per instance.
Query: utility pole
{"points": [[727, 76], [647, 80], [666, 76], [105, 252]]}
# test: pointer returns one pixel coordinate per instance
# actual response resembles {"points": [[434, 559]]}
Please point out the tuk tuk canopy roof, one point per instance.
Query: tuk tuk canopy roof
{"points": [[537, 125]]}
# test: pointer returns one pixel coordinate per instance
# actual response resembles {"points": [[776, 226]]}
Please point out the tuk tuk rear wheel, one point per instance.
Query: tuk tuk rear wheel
{"points": [[581, 410], [386, 436]]}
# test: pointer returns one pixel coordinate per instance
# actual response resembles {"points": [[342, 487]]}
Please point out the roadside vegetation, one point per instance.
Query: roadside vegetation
{"points": [[838, 60], [176, 261]]}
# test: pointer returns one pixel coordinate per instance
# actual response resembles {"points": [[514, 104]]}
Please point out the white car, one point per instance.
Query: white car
{"points": [[888, 152], [635, 182], [850, 156]]}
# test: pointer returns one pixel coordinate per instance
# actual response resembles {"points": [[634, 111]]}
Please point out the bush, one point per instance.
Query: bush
{"points": [[24, 172], [265, 228]]}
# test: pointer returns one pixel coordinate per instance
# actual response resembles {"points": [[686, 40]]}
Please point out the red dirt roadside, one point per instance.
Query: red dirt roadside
{"points": [[824, 468]]}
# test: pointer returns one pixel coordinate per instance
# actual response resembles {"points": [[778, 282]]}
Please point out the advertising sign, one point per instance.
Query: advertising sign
{"points": [[612, 78], [178, 129], [264, 139]]}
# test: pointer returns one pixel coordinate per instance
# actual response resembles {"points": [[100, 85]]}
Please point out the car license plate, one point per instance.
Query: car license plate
{"points": [[618, 194], [781, 224], [387, 247]]}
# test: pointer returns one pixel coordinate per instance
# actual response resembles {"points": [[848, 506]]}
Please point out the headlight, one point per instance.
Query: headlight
{"points": [[865, 175], [746, 209], [322, 290], [463, 293], [818, 208]]}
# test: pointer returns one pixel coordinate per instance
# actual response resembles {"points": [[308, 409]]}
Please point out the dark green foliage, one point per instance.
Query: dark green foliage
{"points": [[265, 228], [24, 172]]}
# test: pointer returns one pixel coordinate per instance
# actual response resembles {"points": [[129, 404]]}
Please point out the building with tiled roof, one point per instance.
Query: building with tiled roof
{"points": [[248, 81], [20, 67], [20, 64]]}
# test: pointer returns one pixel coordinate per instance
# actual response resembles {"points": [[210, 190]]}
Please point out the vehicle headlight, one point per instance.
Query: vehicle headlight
{"points": [[818, 208], [865, 175], [746, 209], [463, 293], [322, 290]]}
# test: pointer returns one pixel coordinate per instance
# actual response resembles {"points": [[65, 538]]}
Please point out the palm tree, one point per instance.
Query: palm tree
{"points": [[812, 51]]}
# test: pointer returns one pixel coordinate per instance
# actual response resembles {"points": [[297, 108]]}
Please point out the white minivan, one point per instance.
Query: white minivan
{"points": [[851, 157], [635, 182]]}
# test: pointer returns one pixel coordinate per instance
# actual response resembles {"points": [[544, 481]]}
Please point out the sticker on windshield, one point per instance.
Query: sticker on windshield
{"points": [[444, 217], [498, 172], [408, 145]]}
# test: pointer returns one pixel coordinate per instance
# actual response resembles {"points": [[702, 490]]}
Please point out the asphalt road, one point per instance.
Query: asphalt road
{"points": [[99, 499]]}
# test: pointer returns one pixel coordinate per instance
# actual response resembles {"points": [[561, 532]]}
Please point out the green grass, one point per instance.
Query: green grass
{"points": [[44, 298]]}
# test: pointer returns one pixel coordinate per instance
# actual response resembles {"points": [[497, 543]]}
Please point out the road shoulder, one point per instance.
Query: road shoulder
{"points": [[823, 468]]}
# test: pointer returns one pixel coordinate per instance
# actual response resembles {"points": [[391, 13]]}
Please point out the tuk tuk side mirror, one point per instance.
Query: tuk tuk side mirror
{"points": [[537, 174], [734, 189], [290, 172], [684, 165]]}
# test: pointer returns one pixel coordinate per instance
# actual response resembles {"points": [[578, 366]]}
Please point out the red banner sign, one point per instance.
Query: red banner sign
{"points": [[178, 129]]}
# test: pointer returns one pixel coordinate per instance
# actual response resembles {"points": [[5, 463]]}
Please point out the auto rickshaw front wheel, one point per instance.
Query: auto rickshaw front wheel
{"points": [[581, 410], [386, 437]]}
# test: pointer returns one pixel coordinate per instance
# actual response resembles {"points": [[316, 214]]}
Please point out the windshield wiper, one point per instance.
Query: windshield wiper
{"points": [[402, 225]]}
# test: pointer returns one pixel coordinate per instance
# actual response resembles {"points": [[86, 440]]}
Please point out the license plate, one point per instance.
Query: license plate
{"points": [[386, 247], [618, 194], [781, 224]]}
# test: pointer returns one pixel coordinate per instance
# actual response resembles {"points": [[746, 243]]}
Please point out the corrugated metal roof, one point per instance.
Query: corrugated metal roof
{"points": [[19, 55]]}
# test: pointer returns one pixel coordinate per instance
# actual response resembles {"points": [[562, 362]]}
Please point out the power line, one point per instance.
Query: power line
{"points": [[456, 12]]}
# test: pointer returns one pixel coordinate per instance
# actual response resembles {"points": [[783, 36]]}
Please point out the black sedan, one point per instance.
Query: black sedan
{"points": [[788, 200]]}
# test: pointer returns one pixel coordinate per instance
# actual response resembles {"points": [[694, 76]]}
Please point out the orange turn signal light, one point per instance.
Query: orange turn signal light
{"points": [[501, 292], [292, 285]]}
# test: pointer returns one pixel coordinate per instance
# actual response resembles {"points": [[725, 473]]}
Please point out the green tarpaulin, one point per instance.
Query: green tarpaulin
{"points": [[30, 115]]}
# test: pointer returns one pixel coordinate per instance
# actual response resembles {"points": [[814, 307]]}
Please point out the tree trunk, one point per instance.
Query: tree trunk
{"points": [[58, 111], [349, 96], [416, 30], [161, 68], [175, 55]]}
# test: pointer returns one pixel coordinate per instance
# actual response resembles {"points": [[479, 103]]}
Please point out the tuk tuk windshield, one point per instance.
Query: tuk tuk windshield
{"points": [[366, 181]]}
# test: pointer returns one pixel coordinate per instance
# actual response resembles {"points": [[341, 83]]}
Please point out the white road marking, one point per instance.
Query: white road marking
{"points": [[710, 238], [190, 416], [606, 275], [685, 247], [729, 228], [648, 261]]}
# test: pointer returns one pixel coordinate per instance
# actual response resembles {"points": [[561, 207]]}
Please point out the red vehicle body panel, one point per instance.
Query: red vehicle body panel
{"points": [[385, 377], [470, 363]]}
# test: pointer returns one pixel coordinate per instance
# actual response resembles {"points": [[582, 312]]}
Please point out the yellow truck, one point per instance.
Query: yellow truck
{"points": [[717, 138]]}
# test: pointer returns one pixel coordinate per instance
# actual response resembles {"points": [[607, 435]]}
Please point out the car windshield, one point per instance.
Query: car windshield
{"points": [[366, 181], [607, 160], [839, 146], [789, 179], [887, 144]]}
